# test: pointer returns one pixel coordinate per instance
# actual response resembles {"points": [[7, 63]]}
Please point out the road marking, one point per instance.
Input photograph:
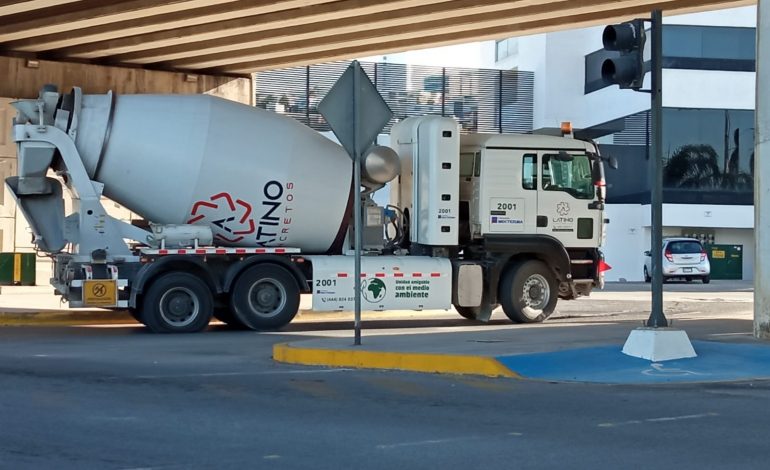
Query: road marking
{"points": [[430, 442], [427, 442], [238, 374], [659, 370], [271, 457], [663, 419]]}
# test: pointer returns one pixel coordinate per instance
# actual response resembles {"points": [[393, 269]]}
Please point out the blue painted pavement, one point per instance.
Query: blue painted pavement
{"points": [[716, 362]]}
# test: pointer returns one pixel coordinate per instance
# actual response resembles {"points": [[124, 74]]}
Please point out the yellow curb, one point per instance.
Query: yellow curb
{"points": [[415, 362], [63, 319]]}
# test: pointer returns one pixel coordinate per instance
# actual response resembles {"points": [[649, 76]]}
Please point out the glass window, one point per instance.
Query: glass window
{"points": [[708, 149], [466, 165], [529, 171], [684, 247], [477, 164], [571, 175]]}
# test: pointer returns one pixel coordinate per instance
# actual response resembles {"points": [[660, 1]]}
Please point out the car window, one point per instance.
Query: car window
{"points": [[684, 247]]}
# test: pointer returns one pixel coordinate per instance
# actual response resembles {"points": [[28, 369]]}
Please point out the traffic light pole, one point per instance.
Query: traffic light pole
{"points": [[657, 317]]}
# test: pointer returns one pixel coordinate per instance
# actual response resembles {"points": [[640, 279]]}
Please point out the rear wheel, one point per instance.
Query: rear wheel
{"points": [[706, 279], [265, 296], [528, 292], [177, 303]]}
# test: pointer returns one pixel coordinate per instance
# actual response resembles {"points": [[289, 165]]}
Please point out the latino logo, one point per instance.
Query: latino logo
{"points": [[562, 209], [373, 290]]}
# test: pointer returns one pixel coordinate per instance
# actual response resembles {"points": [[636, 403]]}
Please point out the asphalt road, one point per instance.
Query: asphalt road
{"points": [[120, 398]]}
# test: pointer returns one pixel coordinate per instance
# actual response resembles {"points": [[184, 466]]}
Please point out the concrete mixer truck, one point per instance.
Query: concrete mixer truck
{"points": [[247, 209]]}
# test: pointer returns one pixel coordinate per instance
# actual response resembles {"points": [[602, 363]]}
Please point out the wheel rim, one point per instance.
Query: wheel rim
{"points": [[179, 306], [267, 297], [535, 294]]}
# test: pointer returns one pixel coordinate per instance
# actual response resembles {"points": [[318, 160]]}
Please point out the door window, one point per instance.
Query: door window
{"points": [[571, 174], [529, 171]]}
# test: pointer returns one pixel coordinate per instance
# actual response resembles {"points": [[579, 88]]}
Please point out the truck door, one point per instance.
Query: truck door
{"points": [[507, 191], [565, 193]]}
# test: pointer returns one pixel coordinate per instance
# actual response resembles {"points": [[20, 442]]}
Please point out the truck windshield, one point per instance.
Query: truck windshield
{"points": [[572, 176]]}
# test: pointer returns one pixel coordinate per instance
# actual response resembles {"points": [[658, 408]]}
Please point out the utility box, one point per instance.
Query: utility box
{"points": [[726, 261], [17, 269]]}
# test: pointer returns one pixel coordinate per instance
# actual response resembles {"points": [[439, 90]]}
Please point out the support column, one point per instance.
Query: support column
{"points": [[762, 176]]}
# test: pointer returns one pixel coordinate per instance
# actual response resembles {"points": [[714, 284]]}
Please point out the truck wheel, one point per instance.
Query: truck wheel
{"points": [[528, 292], [265, 296], [471, 313], [177, 303]]}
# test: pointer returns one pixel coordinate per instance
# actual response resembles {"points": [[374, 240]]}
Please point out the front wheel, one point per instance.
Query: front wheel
{"points": [[528, 292], [265, 296], [647, 277], [177, 302]]}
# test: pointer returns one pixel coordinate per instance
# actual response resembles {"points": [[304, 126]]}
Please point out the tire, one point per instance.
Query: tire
{"points": [[688, 280], [265, 296], [226, 316], [528, 292], [706, 279], [177, 302], [647, 277], [471, 313]]}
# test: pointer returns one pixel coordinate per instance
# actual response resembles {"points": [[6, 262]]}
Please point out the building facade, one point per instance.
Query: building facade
{"points": [[708, 135]]}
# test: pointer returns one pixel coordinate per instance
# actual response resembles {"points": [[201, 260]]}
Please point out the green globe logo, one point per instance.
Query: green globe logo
{"points": [[373, 290]]}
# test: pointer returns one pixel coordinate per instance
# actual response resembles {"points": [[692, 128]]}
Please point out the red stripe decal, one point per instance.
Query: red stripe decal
{"points": [[363, 274], [260, 250], [435, 274], [379, 275], [220, 252], [200, 252], [342, 274], [162, 252], [280, 250], [181, 252], [195, 219], [240, 251], [398, 274], [416, 274]]}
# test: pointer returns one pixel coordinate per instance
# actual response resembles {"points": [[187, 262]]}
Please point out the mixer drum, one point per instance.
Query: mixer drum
{"points": [[255, 177]]}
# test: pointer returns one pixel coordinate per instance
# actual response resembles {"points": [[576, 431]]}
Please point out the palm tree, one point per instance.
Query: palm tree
{"points": [[692, 166]]}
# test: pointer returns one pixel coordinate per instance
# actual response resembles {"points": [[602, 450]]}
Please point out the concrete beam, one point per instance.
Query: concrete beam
{"points": [[388, 22], [481, 33], [276, 17], [12, 7], [165, 22], [472, 24], [21, 81]]}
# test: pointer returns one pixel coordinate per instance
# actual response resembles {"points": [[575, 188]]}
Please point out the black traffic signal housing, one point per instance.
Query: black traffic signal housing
{"points": [[626, 70]]}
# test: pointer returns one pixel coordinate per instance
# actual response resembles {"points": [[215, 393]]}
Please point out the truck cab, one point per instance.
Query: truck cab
{"points": [[524, 203]]}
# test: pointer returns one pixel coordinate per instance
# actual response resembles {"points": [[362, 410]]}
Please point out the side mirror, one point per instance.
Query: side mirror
{"points": [[564, 156], [647, 253], [613, 162]]}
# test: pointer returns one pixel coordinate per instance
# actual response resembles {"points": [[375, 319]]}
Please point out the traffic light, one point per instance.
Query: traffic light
{"points": [[626, 70]]}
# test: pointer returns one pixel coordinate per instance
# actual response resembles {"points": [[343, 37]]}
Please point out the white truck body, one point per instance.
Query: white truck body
{"points": [[248, 209]]}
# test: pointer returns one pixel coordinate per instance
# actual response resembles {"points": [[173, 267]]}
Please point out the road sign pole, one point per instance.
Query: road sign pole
{"points": [[357, 209], [356, 113], [657, 317]]}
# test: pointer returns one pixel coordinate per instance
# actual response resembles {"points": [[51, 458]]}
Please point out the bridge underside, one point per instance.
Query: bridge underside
{"points": [[235, 37]]}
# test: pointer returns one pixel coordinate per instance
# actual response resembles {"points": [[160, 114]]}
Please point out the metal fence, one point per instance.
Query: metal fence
{"points": [[482, 100]]}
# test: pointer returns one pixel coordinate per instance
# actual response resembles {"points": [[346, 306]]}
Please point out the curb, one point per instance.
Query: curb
{"points": [[406, 361], [64, 318]]}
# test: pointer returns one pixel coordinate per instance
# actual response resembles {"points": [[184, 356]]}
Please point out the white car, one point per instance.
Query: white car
{"points": [[683, 258]]}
